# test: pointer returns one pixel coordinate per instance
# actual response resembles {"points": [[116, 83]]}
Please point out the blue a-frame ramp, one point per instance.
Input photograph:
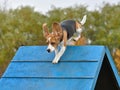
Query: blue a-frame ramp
{"points": [[80, 68]]}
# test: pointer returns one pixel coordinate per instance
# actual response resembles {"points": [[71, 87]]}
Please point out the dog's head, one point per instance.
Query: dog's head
{"points": [[53, 38]]}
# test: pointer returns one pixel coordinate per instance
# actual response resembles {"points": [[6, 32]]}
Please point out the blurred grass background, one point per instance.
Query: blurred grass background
{"points": [[22, 26]]}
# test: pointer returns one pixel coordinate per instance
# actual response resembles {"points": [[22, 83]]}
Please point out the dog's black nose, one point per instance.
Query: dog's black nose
{"points": [[48, 50]]}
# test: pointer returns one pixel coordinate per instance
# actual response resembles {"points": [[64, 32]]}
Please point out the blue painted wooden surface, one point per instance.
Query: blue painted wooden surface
{"points": [[113, 65], [73, 53], [61, 70], [31, 69], [45, 84]]}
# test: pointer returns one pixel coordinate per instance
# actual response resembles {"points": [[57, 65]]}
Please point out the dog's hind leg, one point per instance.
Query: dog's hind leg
{"points": [[79, 28], [76, 36]]}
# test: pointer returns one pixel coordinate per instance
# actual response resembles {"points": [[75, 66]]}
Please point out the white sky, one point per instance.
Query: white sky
{"points": [[45, 5]]}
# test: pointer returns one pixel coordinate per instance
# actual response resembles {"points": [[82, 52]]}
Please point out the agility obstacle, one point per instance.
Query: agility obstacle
{"points": [[80, 68]]}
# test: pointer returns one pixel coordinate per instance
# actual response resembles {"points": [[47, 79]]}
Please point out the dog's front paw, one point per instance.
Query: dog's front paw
{"points": [[55, 61]]}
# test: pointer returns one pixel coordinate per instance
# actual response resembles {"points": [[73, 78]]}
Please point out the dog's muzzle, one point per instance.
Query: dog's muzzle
{"points": [[48, 50]]}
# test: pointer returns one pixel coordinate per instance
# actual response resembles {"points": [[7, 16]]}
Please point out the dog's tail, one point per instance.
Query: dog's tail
{"points": [[83, 20]]}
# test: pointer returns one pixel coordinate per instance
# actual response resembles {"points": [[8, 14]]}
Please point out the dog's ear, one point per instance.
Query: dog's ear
{"points": [[57, 29], [45, 30]]}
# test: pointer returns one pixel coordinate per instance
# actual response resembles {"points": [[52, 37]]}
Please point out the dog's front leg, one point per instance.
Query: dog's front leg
{"points": [[63, 48], [56, 51], [58, 56]]}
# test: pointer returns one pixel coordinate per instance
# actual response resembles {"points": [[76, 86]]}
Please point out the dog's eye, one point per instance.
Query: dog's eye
{"points": [[53, 43]]}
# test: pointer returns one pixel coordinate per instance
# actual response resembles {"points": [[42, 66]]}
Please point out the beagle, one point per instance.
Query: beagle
{"points": [[62, 34]]}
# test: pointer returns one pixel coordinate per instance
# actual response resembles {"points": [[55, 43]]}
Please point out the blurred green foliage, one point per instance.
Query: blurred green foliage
{"points": [[22, 26]]}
